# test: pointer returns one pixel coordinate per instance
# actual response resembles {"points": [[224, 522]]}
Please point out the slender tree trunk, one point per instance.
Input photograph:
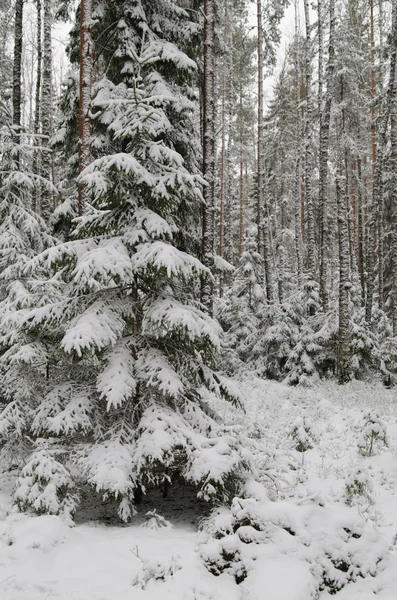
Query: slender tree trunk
{"points": [[263, 224], [208, 150], [325, 119], [361, 230], [222, 173], [373, 210], [310, 238], [393, 165], [17, 71], [46, 108], [297, 187], [36, 126], [344, 333], [85, 93]]}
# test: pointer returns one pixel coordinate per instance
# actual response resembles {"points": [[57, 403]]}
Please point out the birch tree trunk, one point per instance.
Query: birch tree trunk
{"points": [[17, 70], [85, 94], [208, 150]]}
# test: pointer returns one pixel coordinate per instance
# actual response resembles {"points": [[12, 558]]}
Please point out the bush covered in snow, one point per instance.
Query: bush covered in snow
{"points": [[331, 545]]}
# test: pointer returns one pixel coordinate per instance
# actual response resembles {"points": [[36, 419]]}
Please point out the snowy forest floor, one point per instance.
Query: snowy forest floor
{"points": [[41, 558]]}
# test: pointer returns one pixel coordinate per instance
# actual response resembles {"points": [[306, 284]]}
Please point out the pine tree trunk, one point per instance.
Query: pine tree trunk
{"points": [[263, 224], [46, 108], [85, 93], [208, 150], [310, 238], [325, 119], [17, 70]]}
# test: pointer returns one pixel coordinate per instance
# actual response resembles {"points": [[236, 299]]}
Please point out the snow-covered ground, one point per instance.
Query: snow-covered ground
{"points": [[42, 558]]}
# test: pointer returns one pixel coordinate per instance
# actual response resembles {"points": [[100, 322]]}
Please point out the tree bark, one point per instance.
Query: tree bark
{"points": [[393, 164], [46, 108], [263, 224], [17, 71], [208, 151], [310, 237], [36, 126], [325, 119], [373, 210], [85, 94]]}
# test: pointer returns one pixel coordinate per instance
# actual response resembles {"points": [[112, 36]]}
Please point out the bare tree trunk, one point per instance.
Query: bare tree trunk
{"points": [[361, 232], [46, 108], [325, 119], [373, 210], [36, 126], [208, 150], [263, 224], [344, 369], [297, 190], [85, 93], [310, 238], [222, 173], [344, 282], [17, 70], [393, 164]]}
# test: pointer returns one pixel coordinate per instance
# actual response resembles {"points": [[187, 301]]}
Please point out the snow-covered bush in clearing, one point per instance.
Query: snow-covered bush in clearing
{"points": [[358, 486], [155, 521], [303, 434], [134, 340], [44, 484], [156, 570], [332, 544], [373, 434]]}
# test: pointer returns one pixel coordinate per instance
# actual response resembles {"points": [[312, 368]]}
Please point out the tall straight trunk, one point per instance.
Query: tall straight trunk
{"points": [[263, 224], [310, 238], [373, 210], [361, 231], [208, 150], [297, 186], [344, 281], [85, 93], [17, 70], [344, 369], [222, 169], [320, 55], [325, 119], [36, 125], [393, 165], [46, 108]]}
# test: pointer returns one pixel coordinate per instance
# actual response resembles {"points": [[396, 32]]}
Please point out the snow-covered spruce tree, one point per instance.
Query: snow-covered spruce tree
{"points": [[135, 343], [288, 345], [240, 308], [22, 235]]}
